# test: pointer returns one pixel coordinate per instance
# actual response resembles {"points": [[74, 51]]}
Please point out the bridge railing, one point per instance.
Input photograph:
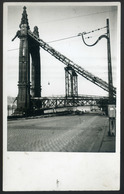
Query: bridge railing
{"points": [[57, 102]]}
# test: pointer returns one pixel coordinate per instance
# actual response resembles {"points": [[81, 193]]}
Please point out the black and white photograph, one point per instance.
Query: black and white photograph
{"points": [[61, 91]]}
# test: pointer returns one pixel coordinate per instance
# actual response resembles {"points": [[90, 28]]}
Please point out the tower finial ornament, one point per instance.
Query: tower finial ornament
{"points": [[24, 19]]}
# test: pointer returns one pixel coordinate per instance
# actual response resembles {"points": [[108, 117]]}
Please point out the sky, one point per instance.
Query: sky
{"points": [[57, 21]]}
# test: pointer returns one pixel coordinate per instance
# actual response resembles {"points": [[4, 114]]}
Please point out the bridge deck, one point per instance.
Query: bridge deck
{"points": [[85, 133]]}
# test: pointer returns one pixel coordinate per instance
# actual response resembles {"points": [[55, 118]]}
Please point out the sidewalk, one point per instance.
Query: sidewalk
{"points": [[108, 143]]}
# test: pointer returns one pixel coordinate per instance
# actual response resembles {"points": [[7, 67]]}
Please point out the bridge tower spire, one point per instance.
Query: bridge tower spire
{"points": [[23, 99], [24, 19]]}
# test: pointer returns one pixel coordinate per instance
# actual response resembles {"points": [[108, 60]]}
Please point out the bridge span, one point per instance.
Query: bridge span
{"points": [[61, 101], [29, 85]]}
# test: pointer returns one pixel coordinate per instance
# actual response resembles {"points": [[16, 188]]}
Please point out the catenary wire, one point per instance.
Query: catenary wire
{"points": [[67, 37], [95, 13], [51, 41]]}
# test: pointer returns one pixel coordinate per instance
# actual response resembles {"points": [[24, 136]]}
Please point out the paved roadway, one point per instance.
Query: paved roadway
{"points": [[74, 133]]}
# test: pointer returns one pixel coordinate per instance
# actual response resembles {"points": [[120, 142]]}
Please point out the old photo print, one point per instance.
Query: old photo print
{"points": [[61, 70]]}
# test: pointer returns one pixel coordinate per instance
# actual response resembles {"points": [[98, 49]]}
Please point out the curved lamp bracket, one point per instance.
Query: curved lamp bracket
{"points": [[102, 36]]}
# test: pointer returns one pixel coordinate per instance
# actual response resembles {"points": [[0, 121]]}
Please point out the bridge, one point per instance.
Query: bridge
{"points": [[29, 85]]}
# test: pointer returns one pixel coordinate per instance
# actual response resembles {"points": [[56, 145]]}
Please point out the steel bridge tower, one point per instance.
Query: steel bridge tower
{"points": [[29, 75], [71, 83]]}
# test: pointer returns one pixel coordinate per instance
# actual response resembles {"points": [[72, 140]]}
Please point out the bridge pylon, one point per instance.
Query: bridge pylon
{"points": [[71, 82], [23, 99], [29, 74]]}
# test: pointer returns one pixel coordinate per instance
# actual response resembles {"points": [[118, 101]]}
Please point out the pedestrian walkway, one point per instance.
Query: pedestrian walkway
{"points": [[108, 142]]}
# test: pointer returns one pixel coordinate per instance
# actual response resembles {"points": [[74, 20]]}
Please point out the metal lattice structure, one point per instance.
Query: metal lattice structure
{"points": [[71, 83], [89, 76], [60, 102], [29, 87]]}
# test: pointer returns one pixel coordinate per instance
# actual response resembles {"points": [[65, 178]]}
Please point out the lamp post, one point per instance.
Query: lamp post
{"points": [[111, 107], [107, 36]]}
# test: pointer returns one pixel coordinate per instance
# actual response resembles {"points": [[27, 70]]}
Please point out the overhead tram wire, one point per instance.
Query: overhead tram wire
{"points": [[94, 30], [52, 41], [98, 29], [95, 13], [90, 14], [67, 19], [63, 39]]}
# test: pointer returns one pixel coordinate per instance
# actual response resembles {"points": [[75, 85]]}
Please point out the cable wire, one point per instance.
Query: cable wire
{"points": [[94, 30], [95, 13], [50, 41], [80, 34], [62, 39]]}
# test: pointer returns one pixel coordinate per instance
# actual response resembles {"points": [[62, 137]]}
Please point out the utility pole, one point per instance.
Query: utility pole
{"points": [[111, 105], [107, 36], [110, 82]]}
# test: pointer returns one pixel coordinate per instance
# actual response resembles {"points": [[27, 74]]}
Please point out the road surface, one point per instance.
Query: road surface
{"points": [[73, 133]]}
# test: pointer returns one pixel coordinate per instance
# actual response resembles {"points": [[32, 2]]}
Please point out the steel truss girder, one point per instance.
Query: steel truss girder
{"points": [[48, 103]]}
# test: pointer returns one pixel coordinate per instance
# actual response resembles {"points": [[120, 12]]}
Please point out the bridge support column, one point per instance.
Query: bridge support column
{"points": [[71, 84], [36, 76], [28, 46], [23, 99]]}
